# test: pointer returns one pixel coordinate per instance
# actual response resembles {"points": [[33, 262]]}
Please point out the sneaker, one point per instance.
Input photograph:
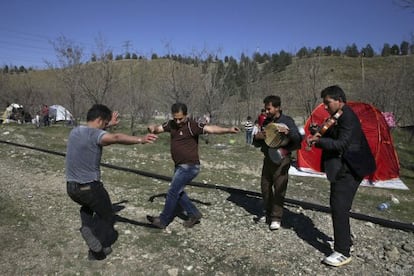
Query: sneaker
{"points": [[260, 219], [107, 250], [193, 220], [274, 225], [337, 259], [93, 243], [96, 256], [156, 222]]}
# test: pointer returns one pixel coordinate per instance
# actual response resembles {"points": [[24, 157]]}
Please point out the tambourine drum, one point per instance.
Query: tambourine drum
{"points": [[277, 155], [274, 138]]}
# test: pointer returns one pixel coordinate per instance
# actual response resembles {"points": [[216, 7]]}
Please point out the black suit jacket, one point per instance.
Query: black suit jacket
{"points": [[345, 142]]}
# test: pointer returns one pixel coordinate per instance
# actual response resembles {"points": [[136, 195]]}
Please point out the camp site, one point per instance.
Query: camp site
{"points": [[222, 59], [229, 240], [227, 191]]}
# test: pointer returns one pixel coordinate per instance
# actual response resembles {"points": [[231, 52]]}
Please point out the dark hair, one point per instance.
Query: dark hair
{"points": [[335, 92], [274, 100], [249, 117], [263, 110], [177, 107], [99, 111]]}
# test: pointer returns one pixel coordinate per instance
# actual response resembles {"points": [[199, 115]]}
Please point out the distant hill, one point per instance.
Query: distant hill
{"points": [[299, 85]]}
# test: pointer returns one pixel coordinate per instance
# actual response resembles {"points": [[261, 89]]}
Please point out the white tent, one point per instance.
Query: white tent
{"points": [[12, 114], [59, 113]]}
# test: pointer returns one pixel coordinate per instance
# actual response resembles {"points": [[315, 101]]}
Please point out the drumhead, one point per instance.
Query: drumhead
{"points": [[274, 138]]}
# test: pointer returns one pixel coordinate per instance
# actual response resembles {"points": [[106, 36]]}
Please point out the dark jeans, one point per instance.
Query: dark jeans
{"points": [[274, 184], [96, 209], [343, 190], [46, 121], [249, 137], [176, 196]]}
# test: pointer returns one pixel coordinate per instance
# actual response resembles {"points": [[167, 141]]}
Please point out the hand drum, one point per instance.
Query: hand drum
{"points": [[274, 138]]}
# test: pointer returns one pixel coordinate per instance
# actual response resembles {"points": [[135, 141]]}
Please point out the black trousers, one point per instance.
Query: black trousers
{"points": [[343, 191], [96, 209]]}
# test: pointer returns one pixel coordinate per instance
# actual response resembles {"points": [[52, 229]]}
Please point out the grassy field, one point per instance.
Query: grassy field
{"points": [[236, 165]]}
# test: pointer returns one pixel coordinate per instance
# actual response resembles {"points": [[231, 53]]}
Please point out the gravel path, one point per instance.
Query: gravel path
{"points": [[39, 233]]}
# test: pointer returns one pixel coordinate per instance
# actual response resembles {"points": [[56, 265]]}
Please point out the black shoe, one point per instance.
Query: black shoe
{"points": [[156, 221], [96, 256], [107, 250], [93, 243], [193, 220]]}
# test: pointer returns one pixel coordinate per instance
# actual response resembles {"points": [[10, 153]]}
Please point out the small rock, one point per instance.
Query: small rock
{"points": [[393, 254], [173, 271], [407, 247], [370, 224]]}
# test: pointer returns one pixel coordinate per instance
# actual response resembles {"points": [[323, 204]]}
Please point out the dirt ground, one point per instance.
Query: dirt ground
{"points": [[39, 232]]}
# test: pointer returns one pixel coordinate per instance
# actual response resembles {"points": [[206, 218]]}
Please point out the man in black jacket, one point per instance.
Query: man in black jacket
{"points": [[274, 177], [346, 159]]}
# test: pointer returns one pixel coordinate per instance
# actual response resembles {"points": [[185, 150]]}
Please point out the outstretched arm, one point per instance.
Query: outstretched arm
{"points": [[212, 129], [155, 129], [120, 138]]}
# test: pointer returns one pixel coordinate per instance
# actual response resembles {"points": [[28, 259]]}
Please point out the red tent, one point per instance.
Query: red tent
{"points": [[378, 135]]}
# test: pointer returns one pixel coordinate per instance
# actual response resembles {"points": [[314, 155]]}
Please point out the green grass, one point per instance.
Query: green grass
{"points": [[18, 222]]}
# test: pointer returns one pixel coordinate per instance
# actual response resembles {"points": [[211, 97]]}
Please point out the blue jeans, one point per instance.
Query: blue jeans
{"points": [[249, 137], [176, 196]]}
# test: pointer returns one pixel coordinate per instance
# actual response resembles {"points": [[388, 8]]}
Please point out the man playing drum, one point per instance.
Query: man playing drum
{"points": [[279, 138]]}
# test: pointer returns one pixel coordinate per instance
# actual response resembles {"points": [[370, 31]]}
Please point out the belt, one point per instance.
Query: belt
{"points": [[83, 186]]}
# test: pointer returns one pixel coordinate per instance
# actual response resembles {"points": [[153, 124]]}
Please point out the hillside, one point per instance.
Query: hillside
{"points": [[378, 80]]}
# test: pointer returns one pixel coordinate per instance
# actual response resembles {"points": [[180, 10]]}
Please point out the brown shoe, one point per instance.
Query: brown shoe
{"points": [[192, 220], [156, 221]]}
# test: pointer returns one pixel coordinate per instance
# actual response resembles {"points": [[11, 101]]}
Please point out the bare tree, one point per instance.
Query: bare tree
{"points": [[139, 91], [4, 95], [177, 80], [211, 84], [249, 75], [93, 80], [392, 90], [69, 71], [213, 89], [309, 82], [29, 96], [405, 4], [99, 78]]}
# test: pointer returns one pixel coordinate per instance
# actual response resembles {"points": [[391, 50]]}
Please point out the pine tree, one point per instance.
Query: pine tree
{"points": [[352, 51], [386, 50], [327, 50], [404, 48], [368, 51], [395, 50], [303, 52]]}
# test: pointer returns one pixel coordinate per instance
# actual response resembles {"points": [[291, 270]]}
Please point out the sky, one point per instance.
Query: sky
{"points": [[193, 27]]}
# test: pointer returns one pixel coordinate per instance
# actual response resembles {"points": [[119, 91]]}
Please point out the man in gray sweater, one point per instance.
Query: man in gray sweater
{"points": [[83, 176]]}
